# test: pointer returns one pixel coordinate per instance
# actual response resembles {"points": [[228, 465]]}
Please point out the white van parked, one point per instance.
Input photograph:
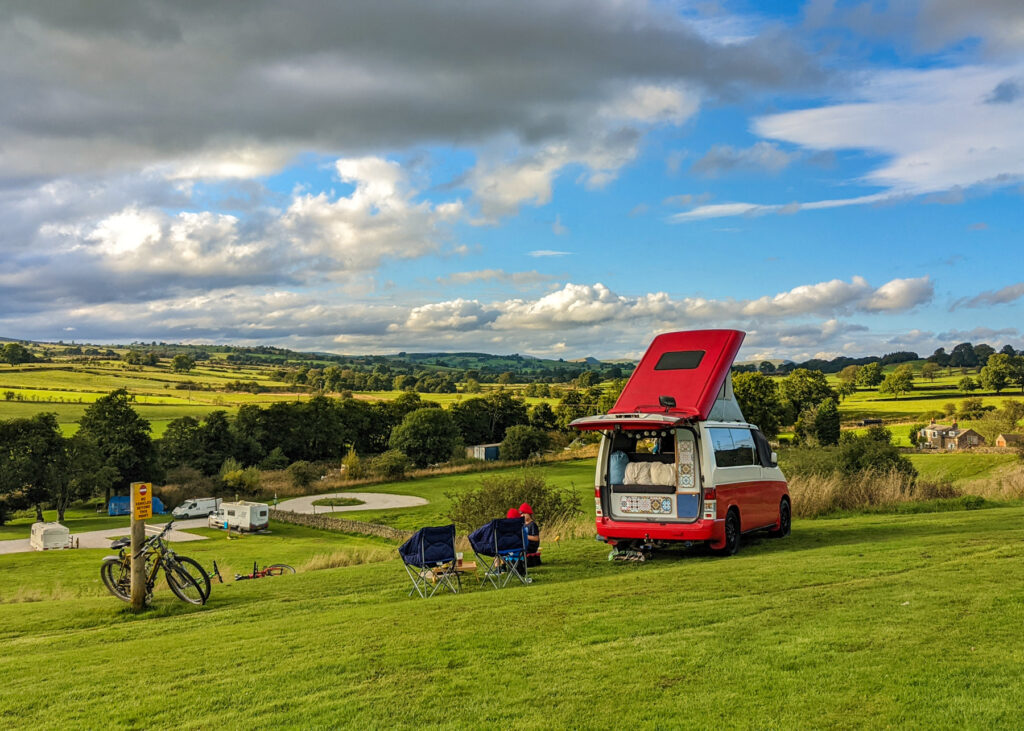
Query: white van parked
{"points": [[243, 515], [198, 507]]}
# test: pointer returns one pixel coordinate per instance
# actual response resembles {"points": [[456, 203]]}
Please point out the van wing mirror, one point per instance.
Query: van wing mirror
{"points": [[775, 459]]}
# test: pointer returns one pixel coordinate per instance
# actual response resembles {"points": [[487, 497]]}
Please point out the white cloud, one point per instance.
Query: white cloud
{"points": [[900, 295], [935, 126], [546, 252]]}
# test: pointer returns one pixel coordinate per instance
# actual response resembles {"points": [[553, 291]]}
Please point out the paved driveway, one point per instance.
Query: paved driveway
{"points": [[102, 538]]}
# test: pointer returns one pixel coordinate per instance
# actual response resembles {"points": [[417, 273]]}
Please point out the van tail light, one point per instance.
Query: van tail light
{"points": [[597, 502], [710, 503]]}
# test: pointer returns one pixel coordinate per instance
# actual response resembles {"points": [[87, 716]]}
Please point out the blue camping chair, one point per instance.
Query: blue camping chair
{"points": [[500, 546], [429, 557]]}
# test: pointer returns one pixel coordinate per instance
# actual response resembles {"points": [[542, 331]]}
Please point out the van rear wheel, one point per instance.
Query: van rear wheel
{"points": [[732, 535], [785, 520]]}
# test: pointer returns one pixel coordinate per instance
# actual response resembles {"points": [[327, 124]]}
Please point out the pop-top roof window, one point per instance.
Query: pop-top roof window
{"points": [[679, 360]]}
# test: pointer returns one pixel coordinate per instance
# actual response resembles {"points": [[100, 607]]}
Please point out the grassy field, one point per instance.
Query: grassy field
{"points": [[870, 621], [958, 467]]}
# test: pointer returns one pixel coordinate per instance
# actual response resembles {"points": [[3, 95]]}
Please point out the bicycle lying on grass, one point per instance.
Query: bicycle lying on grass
{"points": [[277, 569], [185, 576]]}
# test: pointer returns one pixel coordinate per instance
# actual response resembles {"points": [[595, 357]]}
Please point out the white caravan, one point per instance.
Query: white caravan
{"points": [[242, 515]]}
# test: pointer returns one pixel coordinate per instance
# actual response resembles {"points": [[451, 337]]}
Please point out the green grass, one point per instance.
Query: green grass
{"points": [[898, 620], [958, 466], [577, 475], [335, 502]]}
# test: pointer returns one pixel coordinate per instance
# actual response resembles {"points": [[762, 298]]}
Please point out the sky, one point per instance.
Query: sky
{"points": [[560, 179]]}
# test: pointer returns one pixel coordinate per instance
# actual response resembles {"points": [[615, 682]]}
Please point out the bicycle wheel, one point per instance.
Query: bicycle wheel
{"points": [[183, 585], [117, 577], [279, 569], [197, 572]]}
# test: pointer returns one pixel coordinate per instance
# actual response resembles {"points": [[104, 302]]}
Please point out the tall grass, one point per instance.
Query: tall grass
{"points": [[347, 557], [816, 495]]}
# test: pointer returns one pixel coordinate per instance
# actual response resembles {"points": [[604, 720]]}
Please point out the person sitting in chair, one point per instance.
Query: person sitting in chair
{"points": [[532, 535]]}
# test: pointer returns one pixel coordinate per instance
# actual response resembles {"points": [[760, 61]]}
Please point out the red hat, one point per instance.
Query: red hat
{"points": [[513, 513], [525, 509]]}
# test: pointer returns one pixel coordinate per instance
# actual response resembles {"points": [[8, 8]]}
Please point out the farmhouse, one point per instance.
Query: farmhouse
{"points": [[939, 436], [1009, 440]]}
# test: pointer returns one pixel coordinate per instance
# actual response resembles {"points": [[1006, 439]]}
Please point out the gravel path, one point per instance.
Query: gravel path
{"points": [[371, 501]]}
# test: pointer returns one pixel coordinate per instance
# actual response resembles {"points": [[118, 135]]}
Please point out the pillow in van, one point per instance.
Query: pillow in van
{"points": [[638, 473], [662, 474], [617, 463]]}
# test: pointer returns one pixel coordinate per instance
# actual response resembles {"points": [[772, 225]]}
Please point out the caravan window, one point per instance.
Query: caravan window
{"points": [[733, 447], [231, 512]]}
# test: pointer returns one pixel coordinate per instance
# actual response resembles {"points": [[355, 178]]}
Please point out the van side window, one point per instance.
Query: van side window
{"points": [[733, 447], [764, 449]]}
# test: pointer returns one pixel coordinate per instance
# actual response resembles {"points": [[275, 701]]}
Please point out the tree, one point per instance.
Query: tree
{"points": [[899, 381], [929, 370], [996, 375], [819, 424], [870, 375], [33, 459], [542, 416], [122, 437], [182, 363], [766, 367], [972, 408], [982, 351], [940, 357], [758, 398], [914, 433], [846, 389], [1017, 371], [1008, 350], [967, 384], [805, 388], [181, 443], [84, 473], [963, 356], [426, 436], [522, 442], [15, 353], [217, 443], [849, 374]]}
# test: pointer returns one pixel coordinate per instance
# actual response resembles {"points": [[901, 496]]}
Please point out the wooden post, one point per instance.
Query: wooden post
{"points": [[141, 510], [138, 564]]}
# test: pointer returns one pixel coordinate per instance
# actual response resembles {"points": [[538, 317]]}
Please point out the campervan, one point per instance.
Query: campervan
{"points": [[243, 515], [677, 462], [199, 507]]}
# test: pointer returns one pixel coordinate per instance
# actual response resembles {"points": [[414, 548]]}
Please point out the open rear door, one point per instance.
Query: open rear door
{"points": [[681, 374]]}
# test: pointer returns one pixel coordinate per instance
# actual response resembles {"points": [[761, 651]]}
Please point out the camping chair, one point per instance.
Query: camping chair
{"points": [[429, 557], [501, 547]]}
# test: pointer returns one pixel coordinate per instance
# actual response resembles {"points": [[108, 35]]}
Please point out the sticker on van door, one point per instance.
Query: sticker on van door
{"points": [[645, 504]]}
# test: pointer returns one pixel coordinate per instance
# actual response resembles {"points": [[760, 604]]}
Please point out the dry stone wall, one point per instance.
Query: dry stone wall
{"points": [[323, 522]]}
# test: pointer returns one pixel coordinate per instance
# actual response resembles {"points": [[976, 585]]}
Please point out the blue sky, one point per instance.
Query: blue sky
{"points": [[555, 178]]}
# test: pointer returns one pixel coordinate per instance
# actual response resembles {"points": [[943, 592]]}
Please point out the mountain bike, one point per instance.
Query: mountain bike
{"points": [[185, 576], [277, 569]]}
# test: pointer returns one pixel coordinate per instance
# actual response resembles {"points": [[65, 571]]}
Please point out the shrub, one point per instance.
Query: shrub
{"points": [[522, 442], [353, 466], [497, 493], [276, 460], [393, 464], [302, 474], [242, 480]]}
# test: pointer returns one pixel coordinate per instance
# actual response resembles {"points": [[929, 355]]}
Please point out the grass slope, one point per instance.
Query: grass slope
{"points": [[880, 621]]}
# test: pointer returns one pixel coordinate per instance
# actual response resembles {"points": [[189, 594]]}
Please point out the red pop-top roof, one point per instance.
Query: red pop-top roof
{"points": [[688, 366]]}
